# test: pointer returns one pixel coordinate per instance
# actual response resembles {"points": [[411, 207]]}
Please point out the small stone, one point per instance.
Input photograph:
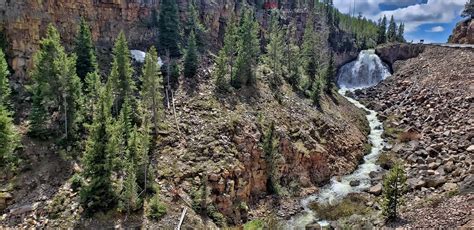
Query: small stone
{"points": [[376, 189], [470, 148]]}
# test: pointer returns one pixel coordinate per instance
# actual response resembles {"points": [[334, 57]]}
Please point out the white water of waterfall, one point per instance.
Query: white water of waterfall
{"points": [[366, 71]]}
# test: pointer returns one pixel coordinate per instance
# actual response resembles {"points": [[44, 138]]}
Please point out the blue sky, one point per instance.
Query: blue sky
{"points": [[431, 20]]}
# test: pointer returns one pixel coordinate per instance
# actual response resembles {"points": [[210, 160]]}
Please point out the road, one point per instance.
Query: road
{"points": [[453, 45]]}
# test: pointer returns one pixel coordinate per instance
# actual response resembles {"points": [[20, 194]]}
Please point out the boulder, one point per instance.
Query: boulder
{"points": [[415, 183], [24, 209], [435, 182], [376, 189], [354, 183], [467, 185]]}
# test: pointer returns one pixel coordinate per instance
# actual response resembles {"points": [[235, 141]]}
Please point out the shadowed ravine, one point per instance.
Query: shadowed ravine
{"points": [[366, 71]]}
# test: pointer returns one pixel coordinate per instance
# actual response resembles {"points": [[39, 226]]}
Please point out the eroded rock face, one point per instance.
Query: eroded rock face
{"points": [[463, 33], [395, 52]]}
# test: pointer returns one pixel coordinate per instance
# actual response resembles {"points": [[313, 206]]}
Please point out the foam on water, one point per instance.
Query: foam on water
{"points": [[367, 70]]}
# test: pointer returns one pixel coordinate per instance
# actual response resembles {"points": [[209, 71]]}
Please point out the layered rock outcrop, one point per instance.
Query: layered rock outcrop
{"points": [[390, 53], [463, 33]]}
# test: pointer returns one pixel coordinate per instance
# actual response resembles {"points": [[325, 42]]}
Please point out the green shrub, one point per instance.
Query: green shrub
{"points": [[76, 182], [156, 209], [254, 225], [216, 216], [347, 207]]}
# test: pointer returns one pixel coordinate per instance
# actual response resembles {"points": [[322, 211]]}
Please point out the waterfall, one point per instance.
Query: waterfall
{"points": [[368, 70]]}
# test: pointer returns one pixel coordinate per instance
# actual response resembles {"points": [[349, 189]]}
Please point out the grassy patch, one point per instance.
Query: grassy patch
{"points": [[349, 206], [254, 225]]}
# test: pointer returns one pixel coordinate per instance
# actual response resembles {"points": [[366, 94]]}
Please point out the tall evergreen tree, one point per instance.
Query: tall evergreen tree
{"points": [[394, 186], [191, 57], [248, 49], [392, 30], [195, 25], [292, 56], [85, 51], [310, 52], [270, 148], [56, 87], [168, 26], [275, 53], [330, 74], [5, 90], [9, 138], [230, 45], [120, 78], [98, 193], [401, 31], [468, 9], [382, 28], [152, 99], [92, 89], [220, 72]]}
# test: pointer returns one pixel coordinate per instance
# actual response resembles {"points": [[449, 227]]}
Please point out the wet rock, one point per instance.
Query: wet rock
{"points": [[313, 226], [376, 189], [354, 183]]}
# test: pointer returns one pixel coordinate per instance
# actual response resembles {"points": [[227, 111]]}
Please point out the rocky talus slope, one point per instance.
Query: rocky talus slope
{"points": [[428, 112]]}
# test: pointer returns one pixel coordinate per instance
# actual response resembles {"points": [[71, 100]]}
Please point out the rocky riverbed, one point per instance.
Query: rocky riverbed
{"points": [[427, 111]]}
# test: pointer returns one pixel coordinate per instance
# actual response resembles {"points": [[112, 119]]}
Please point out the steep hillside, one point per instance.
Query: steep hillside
{"points": [[427, 111], [463, 33]]}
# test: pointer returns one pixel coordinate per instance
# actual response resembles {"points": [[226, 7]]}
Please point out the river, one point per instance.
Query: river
{"points": [[366, 71]]}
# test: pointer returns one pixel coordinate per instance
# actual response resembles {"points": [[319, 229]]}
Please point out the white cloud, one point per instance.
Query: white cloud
{"points": [[436, 29], [413, 12]]}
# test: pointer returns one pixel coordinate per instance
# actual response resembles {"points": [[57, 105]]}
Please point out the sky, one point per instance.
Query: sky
{"points": [[430, 20]]}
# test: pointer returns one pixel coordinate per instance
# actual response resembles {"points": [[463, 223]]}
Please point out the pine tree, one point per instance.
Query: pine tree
{"points": [[468, 9], [71, 94], [270, 148], [394, 186], [310, 52], [392, 30], [98, 193], [248, 48], [152, 99], [120, 78], [84, 48], [168, 26], [330, 74], [4, 83], [9, 139], [292, 56], [401, 31], [56, 87], [195, 25], [191, 57], [220, 72], [92, 89], [316, 92], [275, 53], [230, 45], [381, 34]]}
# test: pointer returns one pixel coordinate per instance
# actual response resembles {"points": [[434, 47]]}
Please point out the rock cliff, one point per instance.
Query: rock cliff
{"points": [[463, 33], [23, 24]]}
